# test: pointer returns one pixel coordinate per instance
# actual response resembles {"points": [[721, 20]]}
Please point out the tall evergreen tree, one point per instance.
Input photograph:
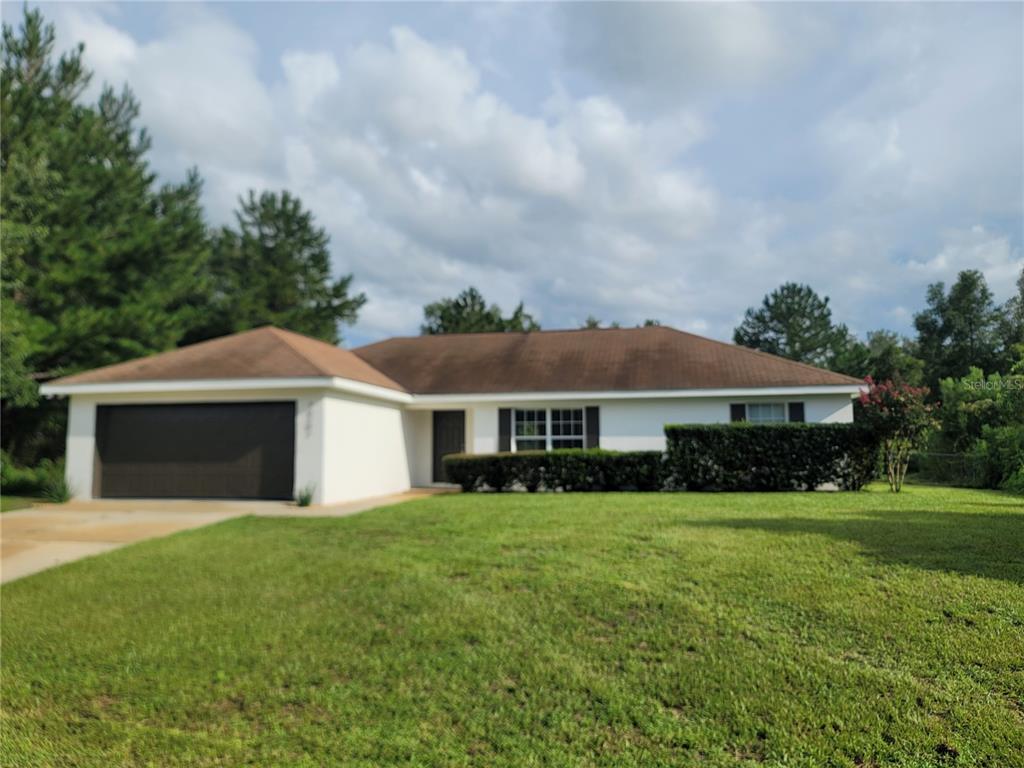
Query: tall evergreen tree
{"points": [[1011, 328], [958, 330], [795, 322], [275, 269], [99, 265], [470, 313]]}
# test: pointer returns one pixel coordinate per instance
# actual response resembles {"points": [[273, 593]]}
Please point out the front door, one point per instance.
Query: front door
{"points": [[449, 437]]}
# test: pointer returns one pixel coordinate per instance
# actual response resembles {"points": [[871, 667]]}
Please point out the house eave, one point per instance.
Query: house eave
{"points": [[427, 401], [221, 386], [372, 391]]}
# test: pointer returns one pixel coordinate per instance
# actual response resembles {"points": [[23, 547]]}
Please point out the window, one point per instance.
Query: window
{"points": [[542, 430], [766, 413], [567, 428], [531, 430]]}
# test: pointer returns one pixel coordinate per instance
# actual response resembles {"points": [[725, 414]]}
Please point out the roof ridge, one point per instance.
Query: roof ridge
{"points": [[753, 351], [544, 331], [283, 335]]}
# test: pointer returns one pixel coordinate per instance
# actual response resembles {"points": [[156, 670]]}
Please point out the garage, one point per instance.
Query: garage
{"points": [[195, 450]]}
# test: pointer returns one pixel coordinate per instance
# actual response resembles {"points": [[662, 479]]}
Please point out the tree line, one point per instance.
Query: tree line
{"points": [[958, 329]]}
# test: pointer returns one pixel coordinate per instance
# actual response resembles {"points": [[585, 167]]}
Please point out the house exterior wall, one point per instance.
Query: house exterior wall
{"points": [[419, 447], [309, 430], [365, 449], [348, 446], [484, 437], [639, 425]]}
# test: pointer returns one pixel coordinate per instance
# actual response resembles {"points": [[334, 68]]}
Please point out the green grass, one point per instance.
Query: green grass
{"points": [[560, 630], [10, 503]]}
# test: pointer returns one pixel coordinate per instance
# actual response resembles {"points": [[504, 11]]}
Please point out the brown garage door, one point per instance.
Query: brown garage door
{"points": [[203, 450]]}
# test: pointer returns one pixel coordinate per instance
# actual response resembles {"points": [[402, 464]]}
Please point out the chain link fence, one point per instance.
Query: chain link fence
{"points": [[960, 469]]}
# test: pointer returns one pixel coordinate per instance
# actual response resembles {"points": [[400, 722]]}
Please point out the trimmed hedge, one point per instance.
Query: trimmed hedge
{"points": [[714, 457], [560, 470], [770, 457]]}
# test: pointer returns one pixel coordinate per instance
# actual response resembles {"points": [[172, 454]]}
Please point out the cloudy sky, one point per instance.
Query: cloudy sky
{"points": [[623, 161]]}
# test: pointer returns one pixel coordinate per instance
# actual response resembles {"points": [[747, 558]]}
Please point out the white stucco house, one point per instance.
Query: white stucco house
{"points": [[266, 413]]}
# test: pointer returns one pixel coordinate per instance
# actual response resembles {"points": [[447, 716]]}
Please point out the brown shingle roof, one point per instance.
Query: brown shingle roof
{"points": [[626, 359], [585, 360], [262, 353]]}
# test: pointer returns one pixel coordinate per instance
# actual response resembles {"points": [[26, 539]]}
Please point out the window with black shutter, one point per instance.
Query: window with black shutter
{"points": [[593, 426], [796, 411], [504, 429]]}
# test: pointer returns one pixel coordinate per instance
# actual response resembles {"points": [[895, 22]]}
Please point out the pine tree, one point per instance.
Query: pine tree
{"points": [[795, 322], [99, 265], [469, 312], [275, 269], [958, 330]]}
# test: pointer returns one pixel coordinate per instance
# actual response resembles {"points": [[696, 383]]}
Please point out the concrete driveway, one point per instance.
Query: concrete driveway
{"points": [[47, 535]]}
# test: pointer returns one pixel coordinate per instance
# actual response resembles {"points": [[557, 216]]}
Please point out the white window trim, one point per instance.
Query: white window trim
{"points": [[547, 429], [582, 436]]}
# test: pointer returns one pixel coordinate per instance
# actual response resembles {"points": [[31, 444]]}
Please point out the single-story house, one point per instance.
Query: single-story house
{"points": [[266, 413]]}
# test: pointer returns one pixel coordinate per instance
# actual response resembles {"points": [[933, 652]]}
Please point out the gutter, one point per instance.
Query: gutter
{"points": [[373, 391]]}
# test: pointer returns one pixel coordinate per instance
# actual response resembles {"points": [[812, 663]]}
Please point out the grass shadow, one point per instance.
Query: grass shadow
{"points": [[977, 544]]}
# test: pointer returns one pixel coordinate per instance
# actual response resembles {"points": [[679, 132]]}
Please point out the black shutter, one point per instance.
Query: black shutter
{"points": [[505, 429], [796, 411], [593, 430], [737, 412]]}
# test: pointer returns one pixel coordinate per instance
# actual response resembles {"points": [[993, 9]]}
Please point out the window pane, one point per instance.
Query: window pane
{"points": [[567, 423], [530, 423], [567, 443], [763, 413], [531, 445]]}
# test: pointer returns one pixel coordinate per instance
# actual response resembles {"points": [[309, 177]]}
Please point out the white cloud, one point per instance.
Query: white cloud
{"points": [[941, 118], [110, 49], [201, 97], [463, 188], [309, 75], [677, 50], [975, 248]]}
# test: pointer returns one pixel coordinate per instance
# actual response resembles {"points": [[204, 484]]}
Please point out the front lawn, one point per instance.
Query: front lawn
{"points": [[10, 503], [666, 629]]}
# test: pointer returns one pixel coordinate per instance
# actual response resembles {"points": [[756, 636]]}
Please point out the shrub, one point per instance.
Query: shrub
{"points": [[980, 443], [561, 470], [305, 495], [57, 490], [974, 402], [29, 481], [1015, 482], [901, 419], [1000, 453], [770, 457]]}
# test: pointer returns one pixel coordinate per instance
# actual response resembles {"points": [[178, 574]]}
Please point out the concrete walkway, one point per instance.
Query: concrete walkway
{"points": [[47, 535]]}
